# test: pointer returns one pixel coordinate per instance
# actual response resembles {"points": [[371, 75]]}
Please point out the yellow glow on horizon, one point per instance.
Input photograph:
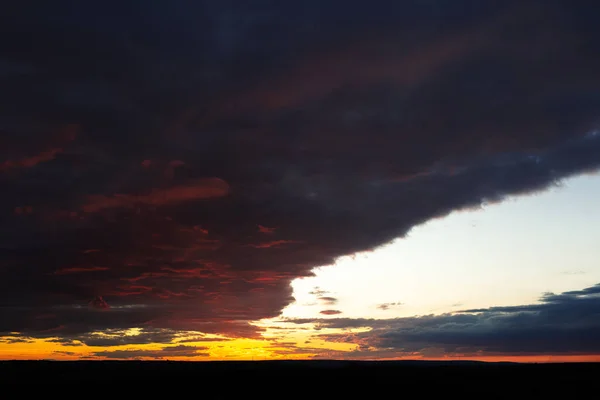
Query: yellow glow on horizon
{"points": [[38, 349], [288, 348]]}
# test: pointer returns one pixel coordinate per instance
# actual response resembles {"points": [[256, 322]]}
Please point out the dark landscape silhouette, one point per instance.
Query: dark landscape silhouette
{"points": [[437, 375]]}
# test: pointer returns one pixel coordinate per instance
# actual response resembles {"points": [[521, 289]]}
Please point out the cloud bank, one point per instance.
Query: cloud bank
{"points": [[564, 323], [173, 166]]}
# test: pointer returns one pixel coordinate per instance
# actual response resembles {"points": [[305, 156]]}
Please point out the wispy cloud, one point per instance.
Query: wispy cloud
{"points": [[387, 306]]}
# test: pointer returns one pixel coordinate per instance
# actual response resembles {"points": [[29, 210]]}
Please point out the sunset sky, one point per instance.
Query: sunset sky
{"points": [[316, 179]]}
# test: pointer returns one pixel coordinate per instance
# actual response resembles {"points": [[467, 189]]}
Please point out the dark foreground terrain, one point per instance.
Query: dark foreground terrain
{"points": [[342, 377]]}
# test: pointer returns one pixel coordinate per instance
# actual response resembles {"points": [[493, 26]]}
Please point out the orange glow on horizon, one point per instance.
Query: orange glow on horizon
{"points": [[246, 350]]}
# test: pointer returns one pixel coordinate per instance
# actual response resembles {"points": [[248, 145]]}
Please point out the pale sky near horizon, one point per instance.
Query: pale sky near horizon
{"points": [[504, 254]]}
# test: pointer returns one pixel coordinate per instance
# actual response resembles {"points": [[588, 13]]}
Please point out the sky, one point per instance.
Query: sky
{"points": [[233, 180]]}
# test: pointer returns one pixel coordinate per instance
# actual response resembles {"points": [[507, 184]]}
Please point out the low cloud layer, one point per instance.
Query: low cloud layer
{"points": [[164, 353], [174, 166], [565, 323]]}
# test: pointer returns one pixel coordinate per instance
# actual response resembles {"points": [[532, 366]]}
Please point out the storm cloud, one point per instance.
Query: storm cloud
{"points": [[183, 161]]}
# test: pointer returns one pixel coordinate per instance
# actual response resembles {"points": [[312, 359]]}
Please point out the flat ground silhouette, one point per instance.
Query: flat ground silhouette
{"points": [[345, 376]]}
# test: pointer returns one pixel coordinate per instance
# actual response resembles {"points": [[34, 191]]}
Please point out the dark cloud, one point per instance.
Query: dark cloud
{"points": [[120, 337], [317, 291], [184, 161], [565, 323], [65, 353], [202, 339], [11, 340], [387, 306], [165, 352], [98, 302], [330, 312], [328, 300]]}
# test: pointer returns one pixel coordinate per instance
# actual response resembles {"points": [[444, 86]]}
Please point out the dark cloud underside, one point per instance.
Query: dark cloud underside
{"points": [[164, 353], [184, 161]]}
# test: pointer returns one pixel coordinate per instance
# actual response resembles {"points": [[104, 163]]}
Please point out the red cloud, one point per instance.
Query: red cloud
{"points": [[23, 210], [32, 161], [265, 229], [99, 303], [275, 243], [201, 189], [76, 270], [68, 134]]}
